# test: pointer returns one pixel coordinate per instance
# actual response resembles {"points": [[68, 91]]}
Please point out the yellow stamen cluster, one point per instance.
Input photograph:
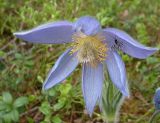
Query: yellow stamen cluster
{"points": [[89, 49]]}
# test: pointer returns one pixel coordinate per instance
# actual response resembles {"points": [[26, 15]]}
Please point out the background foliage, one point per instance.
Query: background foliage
{"points": [[24, 66]]}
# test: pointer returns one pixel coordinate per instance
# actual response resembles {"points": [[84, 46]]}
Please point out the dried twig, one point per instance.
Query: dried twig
{"points": [[30, 111]]}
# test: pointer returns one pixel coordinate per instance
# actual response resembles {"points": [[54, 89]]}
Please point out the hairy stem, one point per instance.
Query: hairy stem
{"points": [[153, 116]]}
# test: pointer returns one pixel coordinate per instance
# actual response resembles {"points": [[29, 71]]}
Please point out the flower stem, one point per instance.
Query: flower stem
{"points": [[110, 118], [154, 115], [110, 122]]}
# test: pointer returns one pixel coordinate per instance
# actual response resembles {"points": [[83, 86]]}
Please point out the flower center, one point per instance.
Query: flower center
{"points": [[89, 49]]}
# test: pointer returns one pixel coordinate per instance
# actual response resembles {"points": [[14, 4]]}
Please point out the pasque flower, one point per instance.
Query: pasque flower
{"points": [[92, 46], [157, 99]]}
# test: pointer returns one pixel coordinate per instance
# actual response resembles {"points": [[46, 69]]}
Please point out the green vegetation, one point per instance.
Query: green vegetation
{"points": [[24, 66]]}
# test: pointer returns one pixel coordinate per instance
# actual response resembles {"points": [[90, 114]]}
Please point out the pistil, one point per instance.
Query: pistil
{"points": [[89, 49]]}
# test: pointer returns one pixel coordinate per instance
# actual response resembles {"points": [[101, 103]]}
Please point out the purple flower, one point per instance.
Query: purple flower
{"points": [[92, 46], [157, 99]]}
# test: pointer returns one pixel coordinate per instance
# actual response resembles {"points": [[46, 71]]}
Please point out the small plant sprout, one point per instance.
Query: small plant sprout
{"points": [[94, 48], [111, 101]]}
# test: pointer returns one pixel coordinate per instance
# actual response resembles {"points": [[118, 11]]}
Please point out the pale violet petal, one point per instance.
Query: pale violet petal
{"points": [[117, 72], [88, 25], [63, 67], [118, 38], [50, 33], [92, 81]]}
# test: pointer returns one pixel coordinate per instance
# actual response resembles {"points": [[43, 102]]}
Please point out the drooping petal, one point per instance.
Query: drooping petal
{"points": [[121, 40], [117, 72], [51, 33], [63, 67], [92, 81], [88, 25]]}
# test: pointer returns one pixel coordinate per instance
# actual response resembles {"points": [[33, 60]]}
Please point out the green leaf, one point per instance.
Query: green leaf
{"points": [[19, 80], [2, 66], [30, 120], [2, 113], [52, 92], [64, 89], [47, 118], [152, 60], [14, 114], [18, 56], [7, 118], [2, 105], [1, 120], [32, 98], [21, 101], [7, 97], [11, 116], [29, 63], [45, 108], [2, 53], [56, 119], [59, 105], [1, 98], [40, 79]]}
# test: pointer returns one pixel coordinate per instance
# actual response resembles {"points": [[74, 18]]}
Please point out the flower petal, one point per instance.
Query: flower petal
{"points": [[88, 25], [120, 39], [117, 72], [63, 67], [51, 33], [92, 81]]}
